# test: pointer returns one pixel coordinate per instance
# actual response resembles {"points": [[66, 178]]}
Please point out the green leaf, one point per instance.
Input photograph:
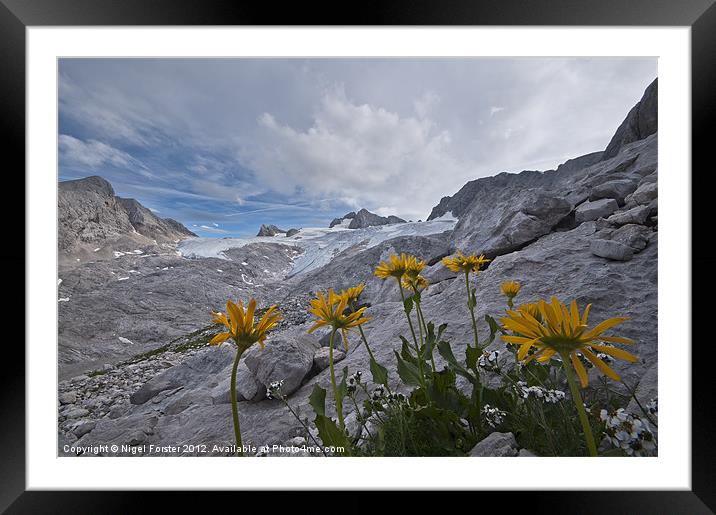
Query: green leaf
{"points": [[446, 352], [407, 372], [408, 305], [317, 400], [494, 328], [380, 373], [416, 297], [406, 353], [472, 354], [330, 433], [441, 330]]}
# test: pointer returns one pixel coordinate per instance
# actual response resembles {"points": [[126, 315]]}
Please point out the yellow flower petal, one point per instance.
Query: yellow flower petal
{"points": [[606, 370]]}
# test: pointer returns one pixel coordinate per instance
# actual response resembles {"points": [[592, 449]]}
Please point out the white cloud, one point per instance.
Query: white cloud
{"points": [[362, 152], [210, 229], [495, 109], [94, 154]]}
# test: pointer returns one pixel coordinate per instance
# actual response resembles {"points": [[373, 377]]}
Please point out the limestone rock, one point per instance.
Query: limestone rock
{"points": [[611, 250], [635, 215], [645, 193], [594, 210], [287, 359], [634, 236], [500, 445], [617, 189], [321, 358]]}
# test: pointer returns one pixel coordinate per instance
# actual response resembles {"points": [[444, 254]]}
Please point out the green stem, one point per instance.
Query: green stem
{"points": [[472, 309], [579, 404], [421, 319], [308, 431], [336, 397], [234, 406], [415, 339]]}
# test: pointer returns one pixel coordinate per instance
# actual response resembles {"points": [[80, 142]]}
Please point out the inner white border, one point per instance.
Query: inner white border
{"points": [[671, 470]]}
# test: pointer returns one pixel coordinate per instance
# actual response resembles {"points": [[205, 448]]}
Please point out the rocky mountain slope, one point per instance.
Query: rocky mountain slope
{"points": [[93, 223], [586, 231], [365, 218]]}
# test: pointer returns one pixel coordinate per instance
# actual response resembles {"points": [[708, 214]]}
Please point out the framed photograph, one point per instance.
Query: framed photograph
{"points": [[273, 256]]}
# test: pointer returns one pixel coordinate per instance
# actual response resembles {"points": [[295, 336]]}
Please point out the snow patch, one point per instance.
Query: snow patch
{"points": [[126, 340], [63, 299]]}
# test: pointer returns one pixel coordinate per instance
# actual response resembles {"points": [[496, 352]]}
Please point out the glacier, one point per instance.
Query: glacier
{"points": [[319, 245]]}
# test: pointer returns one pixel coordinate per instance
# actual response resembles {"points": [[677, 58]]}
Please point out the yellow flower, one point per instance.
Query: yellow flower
{"points": [[565, 332], [240, 324], [330, 311], [398, 266], [466, 264], [532, 309], [510, 288], [352, 294], [417, 283]]}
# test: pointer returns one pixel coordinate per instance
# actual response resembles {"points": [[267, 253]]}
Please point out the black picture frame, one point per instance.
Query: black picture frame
{"points": [[700, 15]]}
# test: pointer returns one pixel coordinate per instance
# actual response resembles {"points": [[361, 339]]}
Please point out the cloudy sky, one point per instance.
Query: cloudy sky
{"points": [[224, 145]]}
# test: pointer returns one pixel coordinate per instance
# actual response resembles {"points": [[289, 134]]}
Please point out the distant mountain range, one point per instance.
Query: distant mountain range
{"points": [[91, 218]]}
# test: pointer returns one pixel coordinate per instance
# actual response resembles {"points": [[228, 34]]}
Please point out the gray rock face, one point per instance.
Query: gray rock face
{"points": [[597, 209], [500, 445], [90, 216], [617, 189], [148, 224], [578, 163], [642, 121], [634, 236], [365, 218], [511, 224], [635, 215], [292, 232], [269, 230], [645, 193], [321, 359], [611, 250], [288, 359]]}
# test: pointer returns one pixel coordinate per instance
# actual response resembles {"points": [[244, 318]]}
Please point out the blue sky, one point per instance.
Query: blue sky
{"points": [[224, 145]]}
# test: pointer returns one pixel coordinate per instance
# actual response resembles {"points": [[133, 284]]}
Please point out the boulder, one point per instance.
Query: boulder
{"points": [[325, 340], [593, 210], [68, 397], [611, 250], [288, 359], [247, 387], [632, 235], [499, 445], [83, 427], [617, 189], [208, 362], [321, 358], [635, 215], [645, 193]]}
